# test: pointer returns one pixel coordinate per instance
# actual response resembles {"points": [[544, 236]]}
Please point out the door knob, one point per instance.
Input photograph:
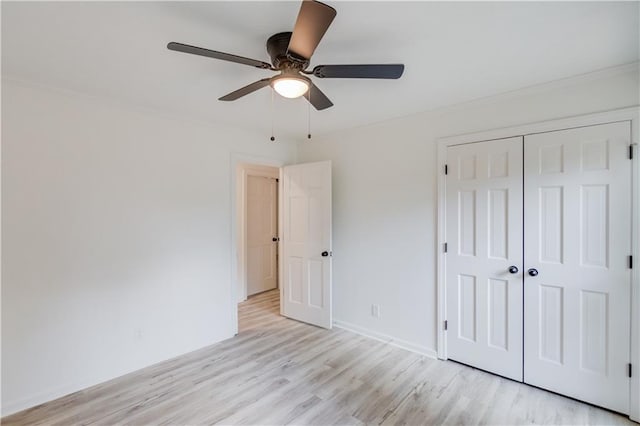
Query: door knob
{"points": [[533, 272], [274, 239], [513, 269], [325, 253]]}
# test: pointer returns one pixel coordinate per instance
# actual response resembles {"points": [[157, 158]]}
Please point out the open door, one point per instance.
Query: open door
{"points": [[306, 243]]}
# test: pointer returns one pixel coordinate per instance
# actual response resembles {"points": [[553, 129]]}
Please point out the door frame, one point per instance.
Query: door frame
{"points": [[241, 164], [244, 171], [632, 115]]}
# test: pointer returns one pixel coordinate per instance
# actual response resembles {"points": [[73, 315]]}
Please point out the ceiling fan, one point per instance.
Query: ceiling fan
{"points": [[290, 54]]}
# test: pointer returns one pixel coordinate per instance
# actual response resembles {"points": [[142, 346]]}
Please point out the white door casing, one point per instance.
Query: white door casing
{"points": [[484, 239], [306, 235], [577, 236], [262, 228]]}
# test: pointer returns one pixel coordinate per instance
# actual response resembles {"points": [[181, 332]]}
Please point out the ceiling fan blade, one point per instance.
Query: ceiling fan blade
{"points": [[318, 99], [185, 48], [313, 21], [387, 71], [250, 88]]}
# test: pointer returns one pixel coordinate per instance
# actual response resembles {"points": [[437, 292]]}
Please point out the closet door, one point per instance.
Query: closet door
{"points": [[484, 256], [577, 284]]}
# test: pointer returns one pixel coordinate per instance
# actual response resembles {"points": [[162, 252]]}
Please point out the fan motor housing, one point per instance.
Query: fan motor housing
{"points": [[277, 46]]}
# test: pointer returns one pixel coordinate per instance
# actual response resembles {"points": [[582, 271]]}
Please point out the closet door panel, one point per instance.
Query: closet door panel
{"points": [[484, 235], [577, 194]]}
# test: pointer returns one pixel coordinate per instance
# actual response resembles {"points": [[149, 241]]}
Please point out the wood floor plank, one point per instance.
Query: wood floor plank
{"points": [[278, 371]]}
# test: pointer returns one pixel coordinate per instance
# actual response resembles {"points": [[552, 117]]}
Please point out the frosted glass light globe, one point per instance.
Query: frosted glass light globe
{"points": [[290, 87]]}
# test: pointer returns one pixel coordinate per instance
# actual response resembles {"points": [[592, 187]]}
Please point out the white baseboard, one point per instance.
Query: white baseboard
{"points": [[15, 406], [34, 400], [399, 343]]}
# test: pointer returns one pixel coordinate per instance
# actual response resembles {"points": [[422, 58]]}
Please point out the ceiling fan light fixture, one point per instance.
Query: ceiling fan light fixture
{"points": [[290, 54], [290, 86]]}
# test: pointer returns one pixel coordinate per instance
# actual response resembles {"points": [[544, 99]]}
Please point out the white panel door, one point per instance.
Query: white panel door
{"points": [[484, 239], [262, 228], [577, 237], [306, 240]]}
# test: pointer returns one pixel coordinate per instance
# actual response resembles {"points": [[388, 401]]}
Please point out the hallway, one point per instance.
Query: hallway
{"points": [[259, 311]]}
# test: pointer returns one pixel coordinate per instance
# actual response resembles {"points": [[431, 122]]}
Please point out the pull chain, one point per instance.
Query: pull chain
{"points": [[273, 138], [309, 116]]}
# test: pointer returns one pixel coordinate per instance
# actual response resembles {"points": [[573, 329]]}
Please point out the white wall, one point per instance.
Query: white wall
{"points": [[116, 238], [384, 199]]}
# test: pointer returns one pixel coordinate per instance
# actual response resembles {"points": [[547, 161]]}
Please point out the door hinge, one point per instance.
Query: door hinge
{"points": [[630, 262], [446, 325], [446, 169], [629, 369], [446, 247], [630, 152]]}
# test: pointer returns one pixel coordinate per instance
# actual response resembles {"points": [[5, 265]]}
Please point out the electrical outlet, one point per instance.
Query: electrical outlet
{"points": [[375, 311]]}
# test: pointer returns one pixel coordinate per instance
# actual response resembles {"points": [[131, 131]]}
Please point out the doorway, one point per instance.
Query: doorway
{"points": [[258, 239], [283, 239], [261, 233], [537, 272]]}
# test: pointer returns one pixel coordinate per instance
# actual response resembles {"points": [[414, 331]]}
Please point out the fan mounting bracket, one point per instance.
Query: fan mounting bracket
{"points": [[277, 46]]}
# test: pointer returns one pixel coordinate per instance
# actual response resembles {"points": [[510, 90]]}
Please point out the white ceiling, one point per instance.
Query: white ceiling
{"points": [[453, 52]]}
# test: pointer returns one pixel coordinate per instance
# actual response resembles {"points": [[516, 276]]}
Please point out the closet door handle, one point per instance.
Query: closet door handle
{"points": [[513, 269], [532, 272]]}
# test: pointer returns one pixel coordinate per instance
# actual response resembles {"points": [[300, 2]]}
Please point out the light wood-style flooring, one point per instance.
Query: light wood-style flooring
{"points": [[279, 371]]}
